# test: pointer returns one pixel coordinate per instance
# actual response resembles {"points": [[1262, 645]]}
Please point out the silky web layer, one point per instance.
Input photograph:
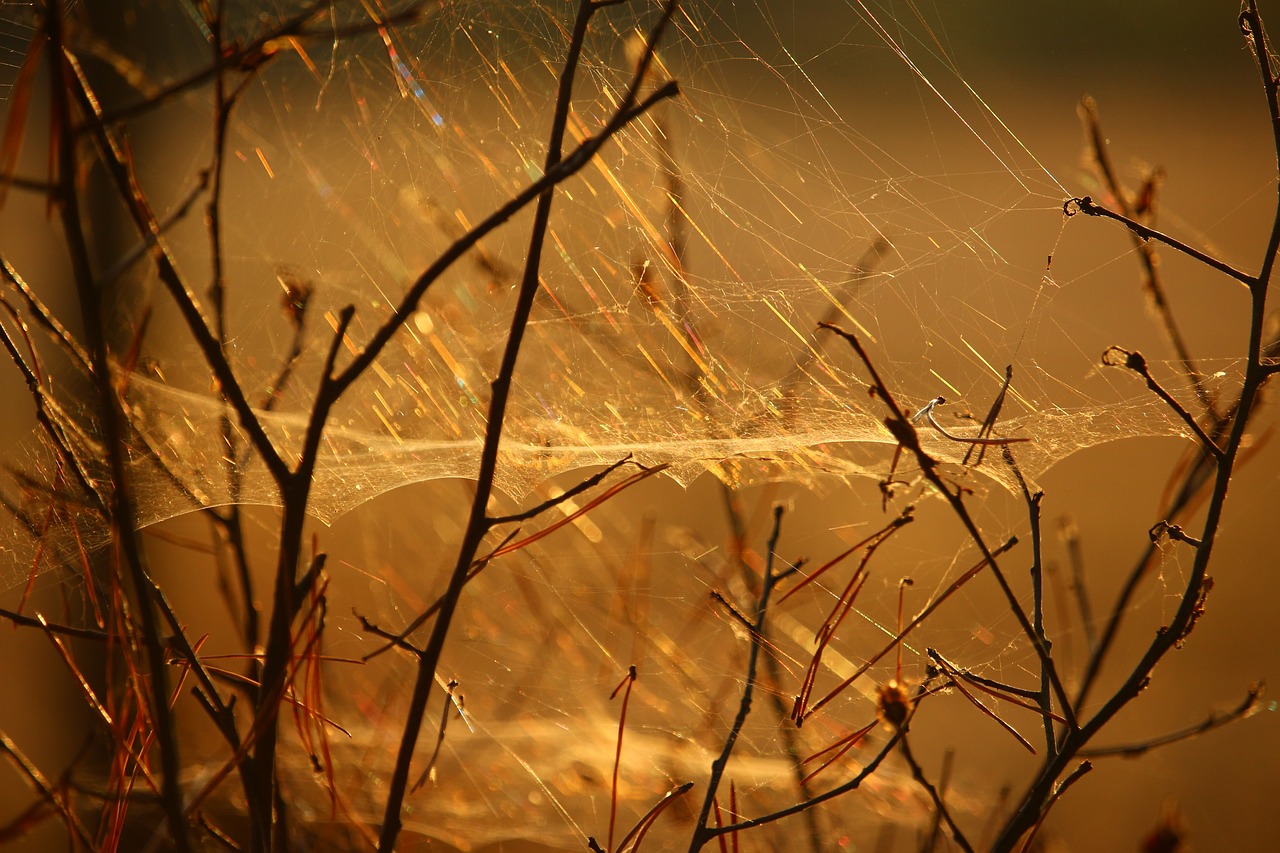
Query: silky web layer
{"points": [[824, 163], [800, 177]]}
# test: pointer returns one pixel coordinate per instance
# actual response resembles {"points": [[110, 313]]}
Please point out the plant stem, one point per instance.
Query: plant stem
{"points": [[1039, 795], [478, 522], [701, 833], [121, 512]]}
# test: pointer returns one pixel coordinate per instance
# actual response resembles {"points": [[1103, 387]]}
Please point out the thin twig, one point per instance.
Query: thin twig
{"points": [[119, 166], [1033, 501], [254, 53], [579, 488], [66, 630], [773, 667], [907, 437], [46, 318], [632, 840], [1214, 721], [1115, 356], [48, 792], [1151, 269], [557, 168], [435, 753], [624, 687], [51, 420], [974, 455], [1075, 555], [1075, 776], [939, 805], [804, 713], [1089, 207], [112, 417], [1039, 796], [701, 832], [958, 683], [998, 689], [927, 414], [868, 769], [509, 544]]}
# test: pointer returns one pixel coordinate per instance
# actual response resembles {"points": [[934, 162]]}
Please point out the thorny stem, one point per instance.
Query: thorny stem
{"points": [[1038, 796], [701, 832], [478, 523], [120, 500]]}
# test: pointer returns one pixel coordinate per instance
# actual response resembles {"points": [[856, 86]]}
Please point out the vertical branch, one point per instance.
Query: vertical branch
{"points": [[1251, 26], [228, 522], [1033, 502], [122, 514], [701, 834], [1037, 612], [1040, 795], [625, 686], [1075, 556], [478, 523], [774, 674], [295, 491]]}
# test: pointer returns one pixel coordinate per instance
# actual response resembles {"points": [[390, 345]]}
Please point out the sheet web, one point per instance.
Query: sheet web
{"points": [[684, 275], [844, 172]]}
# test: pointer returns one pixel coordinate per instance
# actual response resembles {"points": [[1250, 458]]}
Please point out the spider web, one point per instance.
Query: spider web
{"points": [[685, 273], [834, 166]]}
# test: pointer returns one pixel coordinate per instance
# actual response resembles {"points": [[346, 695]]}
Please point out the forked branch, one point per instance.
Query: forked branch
{"points": [[557, 168], [1045, 788]]}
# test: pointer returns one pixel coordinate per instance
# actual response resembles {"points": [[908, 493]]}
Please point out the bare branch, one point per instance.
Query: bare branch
{"points": [[1089, 207]]}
